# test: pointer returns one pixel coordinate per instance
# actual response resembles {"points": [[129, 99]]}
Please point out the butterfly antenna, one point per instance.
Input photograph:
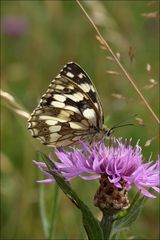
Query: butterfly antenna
{"points": [[119, 125], [108, 133]]}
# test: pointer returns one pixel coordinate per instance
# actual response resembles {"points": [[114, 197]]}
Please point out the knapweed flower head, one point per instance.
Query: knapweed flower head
{"points": [[120, 164]]}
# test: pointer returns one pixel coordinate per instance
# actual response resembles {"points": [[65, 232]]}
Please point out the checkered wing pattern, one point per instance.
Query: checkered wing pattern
{"points": [[69, 111]]}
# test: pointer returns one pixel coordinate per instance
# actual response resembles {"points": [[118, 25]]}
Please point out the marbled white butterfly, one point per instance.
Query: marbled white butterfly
{"points": [[69, 111]]}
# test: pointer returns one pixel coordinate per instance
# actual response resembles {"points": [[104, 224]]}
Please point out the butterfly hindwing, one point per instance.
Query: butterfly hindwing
{"points": [[52, 128]]}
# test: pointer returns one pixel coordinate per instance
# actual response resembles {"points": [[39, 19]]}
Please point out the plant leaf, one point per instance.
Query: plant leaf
{"points": [[42, 206], [90, 223], [130, 216]]}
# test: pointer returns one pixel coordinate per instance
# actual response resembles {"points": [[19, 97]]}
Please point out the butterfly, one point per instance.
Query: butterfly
{"points": [[69, 111]]}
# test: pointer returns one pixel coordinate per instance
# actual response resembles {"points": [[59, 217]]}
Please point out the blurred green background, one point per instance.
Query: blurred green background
{"points": [[37, 39]]}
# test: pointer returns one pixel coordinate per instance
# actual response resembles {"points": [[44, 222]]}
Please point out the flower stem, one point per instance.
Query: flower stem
{"points": [[106, 224], [53, 212]]}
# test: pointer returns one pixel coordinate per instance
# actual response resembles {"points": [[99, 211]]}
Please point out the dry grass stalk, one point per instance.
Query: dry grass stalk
{"points": [[149, 141], [140, 121], [118, 96], [105, 44], [113, 73], [14, 106], [150, 15]]}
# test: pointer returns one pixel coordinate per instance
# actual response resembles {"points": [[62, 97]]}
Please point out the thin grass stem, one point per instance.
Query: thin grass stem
{"points": [[108, 48]]}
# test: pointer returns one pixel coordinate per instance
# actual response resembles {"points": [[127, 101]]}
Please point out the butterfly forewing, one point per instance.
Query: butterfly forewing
{"points": [[77, 76], [69, 111]]}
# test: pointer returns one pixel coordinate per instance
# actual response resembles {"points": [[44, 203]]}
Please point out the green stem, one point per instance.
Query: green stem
{"points": [[53, 212], [43, 211], [106, 224]]}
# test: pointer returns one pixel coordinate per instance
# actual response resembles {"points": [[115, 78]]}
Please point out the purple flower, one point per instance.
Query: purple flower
{"points": [[14, 26], [119, 163]]}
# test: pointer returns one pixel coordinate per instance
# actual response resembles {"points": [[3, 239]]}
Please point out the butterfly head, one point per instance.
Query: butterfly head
{"points": [[108, 132]]}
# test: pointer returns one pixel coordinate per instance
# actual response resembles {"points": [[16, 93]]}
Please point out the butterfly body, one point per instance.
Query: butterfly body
{"points": [[69, 111]]}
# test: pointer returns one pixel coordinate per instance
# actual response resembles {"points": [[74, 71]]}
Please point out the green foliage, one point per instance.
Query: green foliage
{"points": [[131, 214], [58, 32], [91, 225]]}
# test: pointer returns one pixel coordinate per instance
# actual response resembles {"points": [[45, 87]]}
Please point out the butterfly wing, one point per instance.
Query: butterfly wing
{"points": [[82, 81], [69, 110]]}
